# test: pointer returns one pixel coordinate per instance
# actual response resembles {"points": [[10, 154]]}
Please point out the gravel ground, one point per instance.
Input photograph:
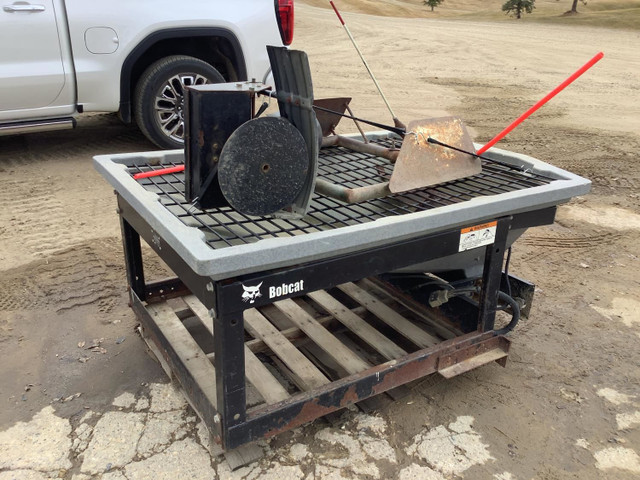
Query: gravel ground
{"points": [[566, 407]]}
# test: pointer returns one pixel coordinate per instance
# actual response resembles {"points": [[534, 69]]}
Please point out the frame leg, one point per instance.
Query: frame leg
{"points": [[133, 259], [230, 371], [492, 276]]}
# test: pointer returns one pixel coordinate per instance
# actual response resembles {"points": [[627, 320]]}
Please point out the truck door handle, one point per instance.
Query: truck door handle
{"points": [[23, 8]]}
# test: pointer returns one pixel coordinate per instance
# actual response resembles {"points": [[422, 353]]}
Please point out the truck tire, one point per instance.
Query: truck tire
{"points": [[159, 97]]}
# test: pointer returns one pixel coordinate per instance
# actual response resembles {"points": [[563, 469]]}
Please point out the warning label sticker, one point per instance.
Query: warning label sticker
{"points": [[477, 236]]}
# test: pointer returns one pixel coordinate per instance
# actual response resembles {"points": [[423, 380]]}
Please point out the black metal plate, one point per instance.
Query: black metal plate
{"points": [[294, 88], [213, 112], [263, 166]]}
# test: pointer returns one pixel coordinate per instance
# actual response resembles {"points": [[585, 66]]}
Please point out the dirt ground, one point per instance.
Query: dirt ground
{"points": [[567, 406]]}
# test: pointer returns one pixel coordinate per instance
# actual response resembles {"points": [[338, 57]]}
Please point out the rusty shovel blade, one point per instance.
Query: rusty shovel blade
{"points": [[421, 164], [329, 121]]}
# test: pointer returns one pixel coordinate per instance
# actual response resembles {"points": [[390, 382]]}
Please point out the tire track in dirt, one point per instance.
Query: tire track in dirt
{"points": [[88, 273], [570, 242], [616, 183], [35, 222], [59, 235]]}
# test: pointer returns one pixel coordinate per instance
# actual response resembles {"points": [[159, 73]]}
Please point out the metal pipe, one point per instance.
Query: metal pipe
{"points": [[358, 146], [352, 195]]}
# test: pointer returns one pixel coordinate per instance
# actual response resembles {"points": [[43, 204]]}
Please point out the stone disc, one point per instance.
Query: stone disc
{"points": [[263, 166]]}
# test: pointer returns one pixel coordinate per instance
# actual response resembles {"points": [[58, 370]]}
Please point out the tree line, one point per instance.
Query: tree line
{"points": [[513, 7]]}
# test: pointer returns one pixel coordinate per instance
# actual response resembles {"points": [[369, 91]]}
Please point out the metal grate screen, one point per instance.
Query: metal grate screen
{"points": [[225, 227]]}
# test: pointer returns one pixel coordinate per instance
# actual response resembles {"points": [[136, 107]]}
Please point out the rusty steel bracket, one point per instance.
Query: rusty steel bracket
{"points": [[494, 349]]}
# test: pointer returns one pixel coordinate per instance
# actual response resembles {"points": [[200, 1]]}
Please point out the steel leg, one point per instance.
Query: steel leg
{"points": [[133, 259], [492, 276], [230, 372]]}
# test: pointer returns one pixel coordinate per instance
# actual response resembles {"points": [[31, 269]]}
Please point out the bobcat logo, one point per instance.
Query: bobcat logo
{"points": [[251, 293]]}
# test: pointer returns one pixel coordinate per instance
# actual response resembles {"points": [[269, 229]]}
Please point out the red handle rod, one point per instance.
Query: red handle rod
{"points": [[549, 96], [337, 13], [155, 173]]}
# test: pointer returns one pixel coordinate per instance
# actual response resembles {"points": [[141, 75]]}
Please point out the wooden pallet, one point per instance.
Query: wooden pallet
{"points": [[301, 344]]}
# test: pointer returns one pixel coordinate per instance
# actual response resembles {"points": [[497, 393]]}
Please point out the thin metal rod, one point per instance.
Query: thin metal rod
{"points": [[366, 65], [451, 147], [364, 137], [402, 132], [397, 131]]}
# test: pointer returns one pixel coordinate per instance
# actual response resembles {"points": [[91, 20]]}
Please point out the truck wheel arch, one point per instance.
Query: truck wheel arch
{"points": [[221, 49]]}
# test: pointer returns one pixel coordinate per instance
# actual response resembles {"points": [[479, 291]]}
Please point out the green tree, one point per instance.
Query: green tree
{"points": [[516, 7], [433, 3]]}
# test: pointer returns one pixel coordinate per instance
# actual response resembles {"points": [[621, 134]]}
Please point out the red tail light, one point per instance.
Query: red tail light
{"points": [[284, 12]]}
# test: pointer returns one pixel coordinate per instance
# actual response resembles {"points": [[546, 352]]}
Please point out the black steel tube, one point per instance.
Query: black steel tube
{"points": [[492, 275], [133, 259], [398, 131]]}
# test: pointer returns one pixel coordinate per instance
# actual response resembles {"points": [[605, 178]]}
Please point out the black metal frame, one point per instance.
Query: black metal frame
{"points": [[229, 420]]}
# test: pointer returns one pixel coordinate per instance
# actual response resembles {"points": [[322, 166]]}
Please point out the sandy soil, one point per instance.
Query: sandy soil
{"points": [[567, 405]]}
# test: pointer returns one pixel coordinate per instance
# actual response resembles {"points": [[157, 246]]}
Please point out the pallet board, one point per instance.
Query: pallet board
{"points": [[259, 376], [298, 345], [307, 375], [412, 332], [295, 348], [386, 347], [346, 358]]}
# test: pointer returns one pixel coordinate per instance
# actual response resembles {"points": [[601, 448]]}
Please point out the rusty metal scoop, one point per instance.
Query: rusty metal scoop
{"points": [[422, 163]]}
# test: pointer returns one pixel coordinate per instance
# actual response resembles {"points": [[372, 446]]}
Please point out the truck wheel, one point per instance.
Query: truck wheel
{"points": [[159, 97]]}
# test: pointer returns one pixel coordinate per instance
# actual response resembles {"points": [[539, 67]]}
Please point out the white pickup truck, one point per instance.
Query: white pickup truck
{"points": [[59, 58]]}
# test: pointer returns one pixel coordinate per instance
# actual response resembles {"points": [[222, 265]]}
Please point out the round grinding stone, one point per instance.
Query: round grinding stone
{"points": [[263, 166]]}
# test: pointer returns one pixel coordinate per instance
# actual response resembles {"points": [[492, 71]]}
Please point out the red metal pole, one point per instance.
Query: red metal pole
{"points": [[155, 173], [337, 13], [549, 96]]}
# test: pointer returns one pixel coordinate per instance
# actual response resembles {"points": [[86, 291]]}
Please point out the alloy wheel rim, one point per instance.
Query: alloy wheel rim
{"points": [[169, 103]]}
